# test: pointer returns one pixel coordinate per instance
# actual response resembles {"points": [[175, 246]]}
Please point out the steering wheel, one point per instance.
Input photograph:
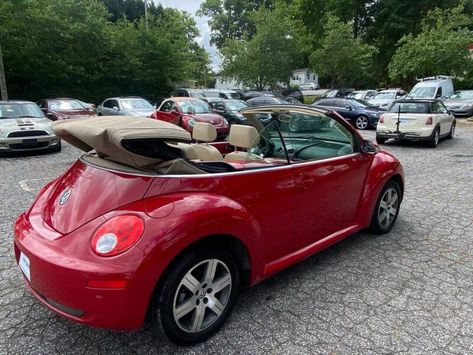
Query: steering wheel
{"points": [[265, 147]]}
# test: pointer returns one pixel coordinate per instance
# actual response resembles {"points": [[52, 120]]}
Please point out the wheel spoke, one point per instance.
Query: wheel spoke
{"points": [[215, 305], [382, 216], [185, 308], [383, 204], [210, 271], [198, 318], [393, 200], [220, 284], [392, 211], [388, 219], [190, 282]]}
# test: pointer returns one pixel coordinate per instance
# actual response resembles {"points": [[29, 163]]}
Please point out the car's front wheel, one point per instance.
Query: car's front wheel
{"points": [[362, 122], [387, 208], [197, 296]]}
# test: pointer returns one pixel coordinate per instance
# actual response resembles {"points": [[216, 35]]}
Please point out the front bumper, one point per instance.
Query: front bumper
{"points": [[21, 144], [462, 112], [60, 275]]}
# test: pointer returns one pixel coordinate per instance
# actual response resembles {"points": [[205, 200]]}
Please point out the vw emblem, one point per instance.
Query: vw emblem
{"points": [[65, 196]]}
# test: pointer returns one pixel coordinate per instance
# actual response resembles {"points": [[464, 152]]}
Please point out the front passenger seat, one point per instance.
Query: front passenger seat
{"points": [[245, 137], [205, 132]]}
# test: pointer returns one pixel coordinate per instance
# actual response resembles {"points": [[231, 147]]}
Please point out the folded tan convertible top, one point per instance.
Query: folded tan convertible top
{"points": [[135, 141]]}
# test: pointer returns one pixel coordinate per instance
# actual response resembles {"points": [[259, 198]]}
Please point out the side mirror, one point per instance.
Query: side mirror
{"points": [[349, 108], [369, 147], [115, 108]]}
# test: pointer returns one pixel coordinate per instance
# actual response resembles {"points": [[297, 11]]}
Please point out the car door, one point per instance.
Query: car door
{"points": [[330, 173], [107, 107], [345, 109], [168, 112]]}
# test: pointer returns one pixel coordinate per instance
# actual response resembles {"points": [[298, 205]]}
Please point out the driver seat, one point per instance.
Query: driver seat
{"points": [[245, 137], [205, 132]]}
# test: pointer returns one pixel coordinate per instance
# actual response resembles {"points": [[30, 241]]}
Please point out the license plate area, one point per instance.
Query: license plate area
{"points": [[30, 141], [24, 264]]}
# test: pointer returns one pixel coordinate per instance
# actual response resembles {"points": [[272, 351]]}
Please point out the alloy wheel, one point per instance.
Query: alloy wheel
{"points": [[388, 208], [361, 122], [202, 295]]}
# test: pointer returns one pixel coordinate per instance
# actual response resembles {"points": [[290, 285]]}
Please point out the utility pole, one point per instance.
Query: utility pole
{"points": [[146, 13], [3, 81]]}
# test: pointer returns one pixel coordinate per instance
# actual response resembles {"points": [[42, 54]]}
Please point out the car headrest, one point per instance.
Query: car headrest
{"points": [[243, 136], [204, 132]]}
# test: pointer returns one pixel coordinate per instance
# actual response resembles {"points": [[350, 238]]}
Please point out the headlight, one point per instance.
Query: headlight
{"points": [[466, 106], [191, 122], [225, 121]]}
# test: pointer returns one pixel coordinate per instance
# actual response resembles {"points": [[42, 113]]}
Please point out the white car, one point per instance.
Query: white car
{"points": [[416, 120], [309, 86], [385, 98]]}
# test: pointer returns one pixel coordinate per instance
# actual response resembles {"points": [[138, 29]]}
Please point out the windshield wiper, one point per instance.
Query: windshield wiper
{"points": [[25, 116]]}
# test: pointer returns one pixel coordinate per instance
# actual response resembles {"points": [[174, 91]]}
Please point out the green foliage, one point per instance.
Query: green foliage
{"points": [[131, 10], [266, 59], [342, 59], [70, 48], [440, 48]]}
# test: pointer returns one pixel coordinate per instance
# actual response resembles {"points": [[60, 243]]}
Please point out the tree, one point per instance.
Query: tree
{"points": [[268, 58], [342, 59], [232, 19], [440, 48]]}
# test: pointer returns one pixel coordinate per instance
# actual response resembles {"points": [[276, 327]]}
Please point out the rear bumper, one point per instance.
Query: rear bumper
{"points": [[59, 279], [414, 136]]}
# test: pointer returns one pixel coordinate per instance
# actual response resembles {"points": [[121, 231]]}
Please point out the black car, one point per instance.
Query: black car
{"points": [[335, 93], [229, 109], [267, 100], [358, 112]]}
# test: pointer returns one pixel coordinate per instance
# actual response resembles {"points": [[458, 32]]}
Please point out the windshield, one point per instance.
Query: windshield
{"points": [[385, 95], [462, 95], [234, 95], [360, 103], [65, 105], [196, 106], [409, 107], [236, 105], [423, 91], [136, 104], [211, 94], [356, 95], [17, 110]]}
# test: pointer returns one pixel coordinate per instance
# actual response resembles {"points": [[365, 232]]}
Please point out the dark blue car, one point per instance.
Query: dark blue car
{"points": [[358, 112]]}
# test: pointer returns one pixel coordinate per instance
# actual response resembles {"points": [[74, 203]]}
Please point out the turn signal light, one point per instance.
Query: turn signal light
{"points": [[381, 119], [429, 121], [117, 235]]}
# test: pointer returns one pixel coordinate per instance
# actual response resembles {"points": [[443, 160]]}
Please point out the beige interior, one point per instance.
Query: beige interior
{"points": [[244, 137], [205, 132], [107, 134]]}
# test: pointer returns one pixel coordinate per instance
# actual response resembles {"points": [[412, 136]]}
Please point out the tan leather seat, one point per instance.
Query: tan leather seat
{"points": [[205, 132], [245, 137]]}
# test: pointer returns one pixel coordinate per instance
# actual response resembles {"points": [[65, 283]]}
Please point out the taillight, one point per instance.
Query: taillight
{"points": [[381, 119], [429, 121], [117, 235]]}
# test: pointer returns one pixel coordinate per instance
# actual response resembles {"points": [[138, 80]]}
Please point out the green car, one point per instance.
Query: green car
{"points": [[23, 127]]}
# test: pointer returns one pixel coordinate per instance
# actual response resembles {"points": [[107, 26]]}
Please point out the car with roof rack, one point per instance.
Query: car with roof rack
{"points": [[153, 221], [23, 127]]}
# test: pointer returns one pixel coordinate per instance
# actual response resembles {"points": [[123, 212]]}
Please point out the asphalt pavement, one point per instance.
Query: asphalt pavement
{"points": [[409, 291]]}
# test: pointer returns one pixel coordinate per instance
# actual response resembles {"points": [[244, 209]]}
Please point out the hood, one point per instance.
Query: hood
{"points": [[73, 113], [380, 102], [84, 193], [457, 102], [141, 113], [18, 124], [211, 118]]}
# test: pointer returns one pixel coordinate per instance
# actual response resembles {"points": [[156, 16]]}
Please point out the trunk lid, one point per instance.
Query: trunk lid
{"points": [[86, 192]]}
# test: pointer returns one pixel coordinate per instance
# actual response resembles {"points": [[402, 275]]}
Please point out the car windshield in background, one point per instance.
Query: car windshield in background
{"points": [[356, 95], [423, 92], [213, 94], [136, 104], [360, 103], [15, 110], [409, 107], [65, 105], [236, 105], [462, 95], [194, 106], [385, 95], [234, 95]]}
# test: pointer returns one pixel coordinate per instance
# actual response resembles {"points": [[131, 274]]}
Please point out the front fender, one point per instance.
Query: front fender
{"points": [[383, 167]]}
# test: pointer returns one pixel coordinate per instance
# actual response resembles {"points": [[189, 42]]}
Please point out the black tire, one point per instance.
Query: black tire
{"points": [[380, 140], [100, 114], [377, 226], [56, 148], [451, 134], [434, 140], [171, 291], [362, 122]]}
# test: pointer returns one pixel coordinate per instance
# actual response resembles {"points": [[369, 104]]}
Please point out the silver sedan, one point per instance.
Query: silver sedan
{"points": [[125, 106]]}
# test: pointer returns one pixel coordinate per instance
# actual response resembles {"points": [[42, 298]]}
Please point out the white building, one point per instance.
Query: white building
{"points": [[299, 77]]}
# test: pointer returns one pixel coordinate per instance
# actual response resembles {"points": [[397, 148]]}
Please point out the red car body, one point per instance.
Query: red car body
{"points": [[263, 212], [64, 108], [171, 110]]}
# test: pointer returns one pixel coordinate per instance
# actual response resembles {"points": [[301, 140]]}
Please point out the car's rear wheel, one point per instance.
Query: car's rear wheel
{"points": [[380, 140], [362, 122], [387, 208], [434, 141], [197, 296], [451, 134]]}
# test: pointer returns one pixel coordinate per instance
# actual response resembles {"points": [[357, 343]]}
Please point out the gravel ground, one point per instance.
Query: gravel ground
{"points": [[410, 291]]}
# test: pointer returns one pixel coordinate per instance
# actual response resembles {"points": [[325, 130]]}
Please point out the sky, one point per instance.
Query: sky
{"points": [[191, 6]]}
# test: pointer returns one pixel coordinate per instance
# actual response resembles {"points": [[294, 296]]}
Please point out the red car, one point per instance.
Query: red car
{"points": [[64, 108], [185, 111], [145, 223]]}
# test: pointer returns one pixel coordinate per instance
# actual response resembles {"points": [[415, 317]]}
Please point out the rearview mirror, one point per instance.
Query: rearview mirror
{"points": [[369, 147]]}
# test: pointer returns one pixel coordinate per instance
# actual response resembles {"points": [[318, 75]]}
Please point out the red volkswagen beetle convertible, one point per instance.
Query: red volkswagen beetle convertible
{"points": [[148, 221]]}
